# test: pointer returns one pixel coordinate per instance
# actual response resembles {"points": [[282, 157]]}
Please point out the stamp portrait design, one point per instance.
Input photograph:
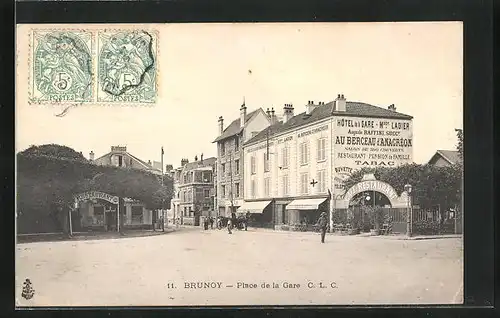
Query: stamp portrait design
{"points": [[62, 67], [127, 66]]}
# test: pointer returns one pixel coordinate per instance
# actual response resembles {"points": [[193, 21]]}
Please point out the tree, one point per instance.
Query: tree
{"points": [[49, 176], [460, 143], [54, 150], [432, 185]]}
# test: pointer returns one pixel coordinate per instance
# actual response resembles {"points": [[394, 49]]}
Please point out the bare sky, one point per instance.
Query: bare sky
{"points": [[204, 74]]}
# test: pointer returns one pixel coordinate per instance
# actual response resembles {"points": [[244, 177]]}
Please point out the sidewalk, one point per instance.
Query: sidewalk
{"points": [[415, 237], [80, 236], [387, 237]]}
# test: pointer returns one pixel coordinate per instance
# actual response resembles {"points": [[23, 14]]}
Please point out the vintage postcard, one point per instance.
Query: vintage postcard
{"points": [[239, 164]]}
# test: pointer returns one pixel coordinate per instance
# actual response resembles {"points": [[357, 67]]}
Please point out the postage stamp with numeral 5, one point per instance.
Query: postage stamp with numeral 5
{"points": [[61, 67], [127, 66]]}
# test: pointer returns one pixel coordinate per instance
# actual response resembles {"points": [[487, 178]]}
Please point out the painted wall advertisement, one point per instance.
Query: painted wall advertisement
{"points": [[370, 142]]}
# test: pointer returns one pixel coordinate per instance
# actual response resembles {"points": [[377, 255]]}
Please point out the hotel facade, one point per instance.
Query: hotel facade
{"points": [[294, 169]]}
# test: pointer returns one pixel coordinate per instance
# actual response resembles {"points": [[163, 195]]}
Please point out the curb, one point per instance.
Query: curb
{"points": [[386, 237], [81, 236], [413, 238]]}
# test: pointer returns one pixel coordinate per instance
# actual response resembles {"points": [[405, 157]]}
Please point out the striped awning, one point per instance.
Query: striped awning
{"points": [[253, 207], [305, 204]]}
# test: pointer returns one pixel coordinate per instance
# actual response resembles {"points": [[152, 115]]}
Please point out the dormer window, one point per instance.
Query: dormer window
{"points": [[119, 160]]}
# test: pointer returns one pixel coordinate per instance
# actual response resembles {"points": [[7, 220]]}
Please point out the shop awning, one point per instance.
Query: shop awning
{"points": [[253, 207], [305, 204]]}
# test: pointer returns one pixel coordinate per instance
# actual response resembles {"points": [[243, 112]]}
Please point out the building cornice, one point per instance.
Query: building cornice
{"points": [[286, 132], [316, 196], [326, 119]]}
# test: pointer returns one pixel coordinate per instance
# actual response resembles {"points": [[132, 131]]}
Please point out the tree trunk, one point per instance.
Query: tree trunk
{"points": [[122, 212]]}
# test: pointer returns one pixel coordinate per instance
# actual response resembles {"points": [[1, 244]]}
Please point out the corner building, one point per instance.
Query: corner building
{"points": [[193, 190], [294, 169], [230, 160]]}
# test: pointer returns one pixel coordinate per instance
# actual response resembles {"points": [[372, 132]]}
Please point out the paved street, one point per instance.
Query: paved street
{"points": [[156, 270]]}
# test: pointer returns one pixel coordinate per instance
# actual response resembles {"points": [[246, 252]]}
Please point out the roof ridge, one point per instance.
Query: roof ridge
{"points": [[236, 125], [323, 111], [380, 107], [141, 161]]}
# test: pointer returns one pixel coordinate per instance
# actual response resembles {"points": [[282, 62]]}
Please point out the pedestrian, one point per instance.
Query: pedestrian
{"points": [[211, 223], [322, 223], [229, 226], [247, 217]]}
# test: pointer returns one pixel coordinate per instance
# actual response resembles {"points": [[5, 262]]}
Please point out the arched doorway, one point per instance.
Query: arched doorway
{"points": [[363, 204], [385, 196]]}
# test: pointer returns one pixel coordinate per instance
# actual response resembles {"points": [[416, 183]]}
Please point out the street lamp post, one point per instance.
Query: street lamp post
{"points": [[409, 216]]}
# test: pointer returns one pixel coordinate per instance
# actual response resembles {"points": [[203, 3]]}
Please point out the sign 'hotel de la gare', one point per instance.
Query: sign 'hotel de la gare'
{"points": [[293, 166]]}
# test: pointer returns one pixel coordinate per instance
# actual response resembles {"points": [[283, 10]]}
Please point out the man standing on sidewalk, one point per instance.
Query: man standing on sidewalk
{"points": [[229, 226], [322, 223]]}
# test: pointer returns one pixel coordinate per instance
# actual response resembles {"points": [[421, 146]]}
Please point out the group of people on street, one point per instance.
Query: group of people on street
{"points": [[229, 223], [242, 223]]}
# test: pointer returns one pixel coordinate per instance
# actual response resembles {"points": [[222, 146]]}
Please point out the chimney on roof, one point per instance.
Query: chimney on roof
{"points": [[287, 112], [196, 158], [119, 148], [221, 125], [310, 107], [201, 158], [243, 114], [392, 108], [274, 118], [91, 155], [184, 161], [340, 103]]}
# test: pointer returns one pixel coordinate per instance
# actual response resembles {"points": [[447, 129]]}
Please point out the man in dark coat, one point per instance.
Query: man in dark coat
{"points": [[247, 218], [229, 226], [323, 224]]}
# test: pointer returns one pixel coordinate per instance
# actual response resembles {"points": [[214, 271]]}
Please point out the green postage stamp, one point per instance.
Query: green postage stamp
{"points": [[127, 66], [61, 67], [115, 66]]}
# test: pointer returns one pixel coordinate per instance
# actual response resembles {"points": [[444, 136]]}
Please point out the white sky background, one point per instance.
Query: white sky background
{"points": [[204, 75]]}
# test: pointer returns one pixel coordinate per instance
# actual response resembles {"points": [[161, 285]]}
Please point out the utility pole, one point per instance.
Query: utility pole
{"points": [[267, 145], [231, 183], [333, 198], [162, 210]]}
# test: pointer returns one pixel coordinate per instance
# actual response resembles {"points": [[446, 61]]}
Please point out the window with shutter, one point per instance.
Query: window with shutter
{"points": [[321, 149], [321, 181], [284, 184], [304, 178]]}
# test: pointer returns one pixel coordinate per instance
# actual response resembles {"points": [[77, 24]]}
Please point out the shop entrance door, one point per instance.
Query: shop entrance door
{"points": [[111, 221]]}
